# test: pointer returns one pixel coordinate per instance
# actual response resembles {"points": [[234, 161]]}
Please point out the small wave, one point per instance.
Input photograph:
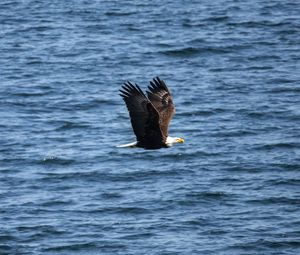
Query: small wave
{"points": [[193, 51], [236, 133], [6, 249], [94, 176], [132, 210], [45, 229], [251, 68], [285, 89], [6, 237], [263, 57], [87, 246], [163, 45], [202, 22], [72, 247], [94, 103], [204, 113], [57, 203], [217, 18], [265, 244], [69, 105], [138, 236], [287, 166], [275, 200], [120, 210], [280, 145], [111, 195], [243, 168], [194, 222], [41, 28], [119, 13], [31, 94], [286, 182], [284, 81], [257, 114], [187, 51], [255, 24], [53, 160], [211, 195], [90, 176], [165, 155], [137, 176], [204, 197], [71, 125]]}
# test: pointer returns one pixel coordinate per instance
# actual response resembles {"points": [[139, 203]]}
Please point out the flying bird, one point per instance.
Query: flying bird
{"points": [[150, 115]]}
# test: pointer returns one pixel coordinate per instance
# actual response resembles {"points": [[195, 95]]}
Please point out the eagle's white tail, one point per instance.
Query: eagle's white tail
{"points": [[128, 145]]}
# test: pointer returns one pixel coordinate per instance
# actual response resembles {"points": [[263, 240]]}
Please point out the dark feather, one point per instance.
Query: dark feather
{"points": [[161, 99], [144, 117]]}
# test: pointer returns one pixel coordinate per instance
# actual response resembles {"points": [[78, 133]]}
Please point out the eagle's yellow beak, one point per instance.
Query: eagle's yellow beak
{"points": [[180, 140]]}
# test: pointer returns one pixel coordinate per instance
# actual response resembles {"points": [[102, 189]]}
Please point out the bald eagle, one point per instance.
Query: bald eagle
{"points": [[150, 115]]}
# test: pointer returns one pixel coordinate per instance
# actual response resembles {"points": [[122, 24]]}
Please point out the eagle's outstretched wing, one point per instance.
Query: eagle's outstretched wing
{"points": [[161, 98], [144, 117]]}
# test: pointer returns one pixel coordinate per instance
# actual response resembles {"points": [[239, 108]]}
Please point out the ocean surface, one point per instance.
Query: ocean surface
{"points": [[232, 188]]}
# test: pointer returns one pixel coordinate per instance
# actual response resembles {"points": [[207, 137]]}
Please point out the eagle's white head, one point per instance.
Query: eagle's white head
{"points": [[172, 140]]}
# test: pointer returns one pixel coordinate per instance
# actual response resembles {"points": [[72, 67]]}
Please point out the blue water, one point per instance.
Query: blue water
{"points": [[232, 188]]}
